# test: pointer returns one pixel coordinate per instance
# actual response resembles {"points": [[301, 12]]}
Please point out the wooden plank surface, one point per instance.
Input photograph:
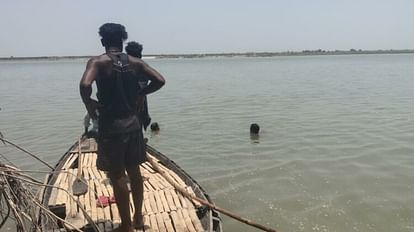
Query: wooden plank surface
{"points": [[177, 222], [160, 221], [182, 221], [153, 203], [187, 220], [164, 201], [158, 201], [153, 223], [164, 208], [170, 200], [195, 220], [167, 221]]}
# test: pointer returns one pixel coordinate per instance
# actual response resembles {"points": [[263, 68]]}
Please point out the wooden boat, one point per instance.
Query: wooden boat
{"points": [[165, 208]]}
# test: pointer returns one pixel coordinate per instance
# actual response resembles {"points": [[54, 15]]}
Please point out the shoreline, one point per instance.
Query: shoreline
{"points": [[241, 54]]}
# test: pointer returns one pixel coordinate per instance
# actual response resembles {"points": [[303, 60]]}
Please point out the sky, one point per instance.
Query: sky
{"points": [[64, 28]]}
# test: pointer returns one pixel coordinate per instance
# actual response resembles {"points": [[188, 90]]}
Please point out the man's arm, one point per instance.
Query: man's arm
{"points": [[156, 79], [85, 87]]}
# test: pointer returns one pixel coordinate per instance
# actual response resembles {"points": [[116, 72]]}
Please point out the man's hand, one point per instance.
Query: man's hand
{"points": [[85, 87], [91, 107], [140, 103]]}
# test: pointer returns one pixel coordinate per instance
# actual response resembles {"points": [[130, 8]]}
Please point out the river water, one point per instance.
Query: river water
{"points": [[335, 151]]}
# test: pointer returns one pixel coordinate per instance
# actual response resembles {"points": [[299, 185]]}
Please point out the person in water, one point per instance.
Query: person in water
{"points": [[121, 144], [135, 49], [254, 132], [155, 127], [254, 129]]}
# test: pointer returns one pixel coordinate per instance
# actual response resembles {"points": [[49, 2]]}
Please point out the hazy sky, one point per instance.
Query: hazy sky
{"points": [[57, 27]]}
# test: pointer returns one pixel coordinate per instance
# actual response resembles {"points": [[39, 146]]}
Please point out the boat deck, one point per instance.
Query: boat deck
{"points": [[164, 208]]}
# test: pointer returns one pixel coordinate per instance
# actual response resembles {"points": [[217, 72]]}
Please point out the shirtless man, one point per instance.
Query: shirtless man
{"points": [[121, 145], [135, 49]]}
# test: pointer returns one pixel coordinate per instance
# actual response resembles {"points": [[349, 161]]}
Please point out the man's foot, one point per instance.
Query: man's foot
{"points": [[138, 222]]}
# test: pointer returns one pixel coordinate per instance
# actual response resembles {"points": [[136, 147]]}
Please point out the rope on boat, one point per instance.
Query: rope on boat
{"points": [[87, 217], [19, 200], [204, 202]]}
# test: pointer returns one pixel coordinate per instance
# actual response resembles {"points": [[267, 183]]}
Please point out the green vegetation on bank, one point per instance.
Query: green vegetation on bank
{"points": [[245, 54]]}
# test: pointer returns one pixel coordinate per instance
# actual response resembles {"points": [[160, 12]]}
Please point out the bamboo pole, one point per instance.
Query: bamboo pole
{"points": [[204, 202]]}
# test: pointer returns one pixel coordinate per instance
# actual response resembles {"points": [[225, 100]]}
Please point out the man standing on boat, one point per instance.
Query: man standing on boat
{"points": [[121, 145], [135, 49]]}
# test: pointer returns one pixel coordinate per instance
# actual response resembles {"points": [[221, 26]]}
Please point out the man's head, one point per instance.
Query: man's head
{"points": [[254, 128], [113, 35], [155, 127], [134, 49]]}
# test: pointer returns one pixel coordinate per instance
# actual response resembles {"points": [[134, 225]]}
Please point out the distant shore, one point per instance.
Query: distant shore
{"points": [[318, 52]]}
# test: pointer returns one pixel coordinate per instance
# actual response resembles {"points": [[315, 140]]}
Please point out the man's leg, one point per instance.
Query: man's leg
{"points": [[137, 189], [119, 183]]}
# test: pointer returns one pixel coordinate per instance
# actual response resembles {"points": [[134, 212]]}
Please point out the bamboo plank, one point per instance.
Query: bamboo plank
{"points": [[65, 185], [160, 222], [148, 167], [174, 176], [159, 202], [147, 225], [94, 158], [192, 193], [114, 209], [59, 196], [71, 206], [158, 182], [70, 161], [108, 191], [146, 208], [84, 199], [178, 224], [164, 201], [176, 199], [90, 163], [106, 212], [164, 182], [103, 175], [144, 171], [196, 221], [167, 221], [152, 202], [170, 200], [183, 200], [54, 193], [73, 216], [90, 196], [153, 223], [188, 220], [85, 160], [102, 182], [148, 186], [153, 184], [99, 210], [183, 222]]}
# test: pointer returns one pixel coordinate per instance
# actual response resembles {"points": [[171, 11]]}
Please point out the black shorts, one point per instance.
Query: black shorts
{"points": [[119, 151]]}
